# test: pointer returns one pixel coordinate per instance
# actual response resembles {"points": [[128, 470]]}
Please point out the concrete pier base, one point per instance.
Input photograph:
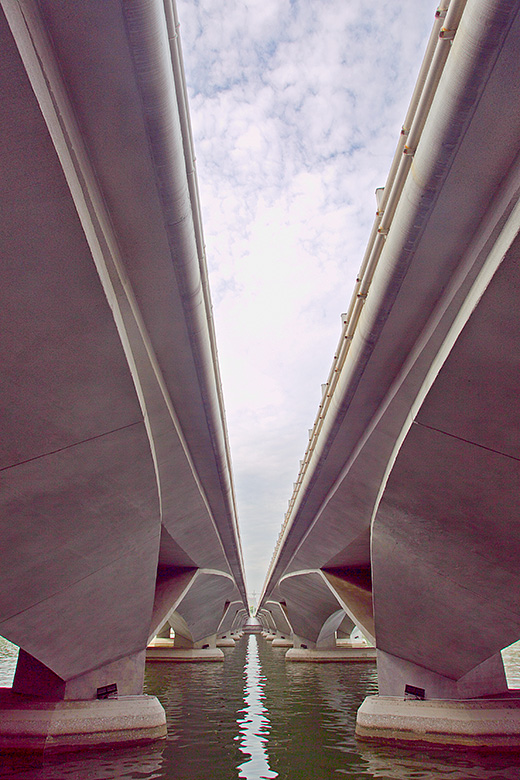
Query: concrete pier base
{"points": [[30, 723], [332, 655], [281, 642], [225, 641], [475, 723], [184, 655]]}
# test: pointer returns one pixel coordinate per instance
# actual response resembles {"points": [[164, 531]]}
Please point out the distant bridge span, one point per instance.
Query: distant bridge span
{"points": [[117, 501], [407, 503]]}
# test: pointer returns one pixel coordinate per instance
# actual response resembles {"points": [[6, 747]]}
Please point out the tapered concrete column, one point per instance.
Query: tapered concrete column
{"points": [[164, 632], [486, 679], [417, 705], [184, 649], [44, 712]]}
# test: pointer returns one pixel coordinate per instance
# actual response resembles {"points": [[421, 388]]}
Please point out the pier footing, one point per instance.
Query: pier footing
{"points": [[225, 641], [473, 723], [333, 655], [184, 655], [29, 723], [281, 642]]}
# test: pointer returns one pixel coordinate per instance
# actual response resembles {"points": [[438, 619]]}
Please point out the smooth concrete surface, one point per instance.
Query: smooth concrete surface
{"points": [[338, 655], [486, 680], [281, 642], [408, 496], [28, 723], [225, 641], [117, 503], [476, 723], [162, 642], [184, 655]]}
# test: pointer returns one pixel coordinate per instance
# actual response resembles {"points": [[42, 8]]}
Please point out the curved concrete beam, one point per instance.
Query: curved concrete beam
{"points": [[114, 453]]}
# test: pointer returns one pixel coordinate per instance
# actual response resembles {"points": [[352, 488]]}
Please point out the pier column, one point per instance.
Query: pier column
{"points": [[104, 706], [417, 705], [184, 648], [420, 705]]}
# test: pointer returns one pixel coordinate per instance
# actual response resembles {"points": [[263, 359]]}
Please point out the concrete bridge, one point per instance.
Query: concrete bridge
{"points": [[117, 504], [405, 512]]}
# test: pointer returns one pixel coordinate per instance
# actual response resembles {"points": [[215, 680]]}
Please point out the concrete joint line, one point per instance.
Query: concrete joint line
{"points": [[467, 441], [71, 446], [129, 552], [39, 60], [493, 260]]}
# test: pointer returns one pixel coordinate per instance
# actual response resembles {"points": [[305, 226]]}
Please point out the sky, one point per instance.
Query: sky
{"points": [[296, 108]]}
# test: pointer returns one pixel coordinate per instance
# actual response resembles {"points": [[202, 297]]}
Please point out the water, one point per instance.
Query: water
{"points": [[254, 717]]}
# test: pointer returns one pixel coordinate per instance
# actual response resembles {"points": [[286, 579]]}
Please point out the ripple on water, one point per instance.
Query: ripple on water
{"points": [[254, 717], [255, 725]]}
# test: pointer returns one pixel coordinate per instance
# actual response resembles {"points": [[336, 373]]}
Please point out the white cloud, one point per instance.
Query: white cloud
{"points": [[296, 108]]}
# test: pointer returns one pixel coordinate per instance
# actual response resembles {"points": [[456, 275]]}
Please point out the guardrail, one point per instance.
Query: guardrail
{"points": [[444, 28]]}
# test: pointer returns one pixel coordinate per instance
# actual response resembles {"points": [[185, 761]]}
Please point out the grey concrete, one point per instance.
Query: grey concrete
{"points": [[184, 655], [409, 501], [281, 641], [331, 655], [225, 641], [478, 723], [117, 504], [29, 724]]}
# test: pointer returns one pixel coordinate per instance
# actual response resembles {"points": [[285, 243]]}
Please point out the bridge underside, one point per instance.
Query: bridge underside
{"points": [[117, 504], [408, 508]]}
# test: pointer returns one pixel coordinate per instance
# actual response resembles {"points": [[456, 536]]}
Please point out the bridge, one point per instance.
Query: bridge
{"points": [[404, 515], [117, 504]]}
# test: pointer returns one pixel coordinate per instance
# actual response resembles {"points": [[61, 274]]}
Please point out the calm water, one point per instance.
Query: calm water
{"points": [[254, 717]]}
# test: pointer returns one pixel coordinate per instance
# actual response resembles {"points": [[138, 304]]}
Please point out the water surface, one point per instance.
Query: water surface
{"points": [[255, 717]]}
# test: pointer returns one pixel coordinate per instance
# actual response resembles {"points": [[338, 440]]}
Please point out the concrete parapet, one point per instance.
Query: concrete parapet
{"points": [[184, 655], [29, 723], [269, 637], [476, 723], [336, 655]]}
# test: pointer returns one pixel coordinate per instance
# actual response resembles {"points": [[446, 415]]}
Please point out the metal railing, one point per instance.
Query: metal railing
{"points": [[445, 25]]}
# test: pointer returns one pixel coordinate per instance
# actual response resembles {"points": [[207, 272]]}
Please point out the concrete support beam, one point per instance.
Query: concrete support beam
{"points": [[417, 705], [35, 679]]}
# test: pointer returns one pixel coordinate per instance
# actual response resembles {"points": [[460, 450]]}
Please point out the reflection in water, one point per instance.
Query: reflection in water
{"points": [[144, 762], [255, 716], [254, 725]]}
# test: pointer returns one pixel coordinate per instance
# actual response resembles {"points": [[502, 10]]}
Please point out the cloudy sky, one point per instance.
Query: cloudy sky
{"points": [[296, 109]]}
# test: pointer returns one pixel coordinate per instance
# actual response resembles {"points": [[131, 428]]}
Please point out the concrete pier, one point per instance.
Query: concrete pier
{"points": [[225, 641], [331, 655], [475, 723], [281, 641], [183, 654], [30, 723]]}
